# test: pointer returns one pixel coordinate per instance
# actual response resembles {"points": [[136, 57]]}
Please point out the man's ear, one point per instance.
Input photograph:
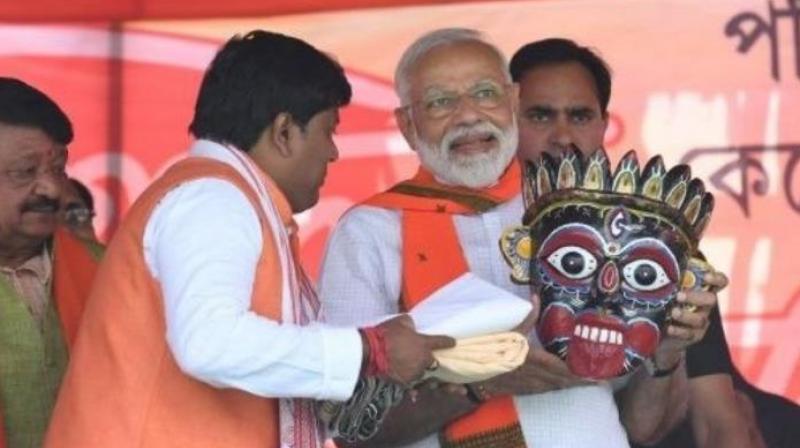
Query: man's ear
{"points": [[281, 133], [403, 117]]}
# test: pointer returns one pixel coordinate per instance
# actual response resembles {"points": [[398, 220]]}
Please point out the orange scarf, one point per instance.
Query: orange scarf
{"points": [[74, 267], [432, 257]]}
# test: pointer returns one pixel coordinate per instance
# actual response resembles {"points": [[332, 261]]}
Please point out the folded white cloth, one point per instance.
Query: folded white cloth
{"points": [[480, 316], [480, 358]]}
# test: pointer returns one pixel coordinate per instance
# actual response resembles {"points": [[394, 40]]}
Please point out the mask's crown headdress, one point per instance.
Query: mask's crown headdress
{"points": [[573, 177]]}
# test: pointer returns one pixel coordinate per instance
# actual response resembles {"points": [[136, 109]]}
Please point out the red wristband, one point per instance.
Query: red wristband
{"points": [[378, 364]]}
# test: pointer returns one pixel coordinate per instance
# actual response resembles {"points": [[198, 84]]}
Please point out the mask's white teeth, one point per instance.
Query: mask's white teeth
{"points": [[604, 335], [598, 334]]}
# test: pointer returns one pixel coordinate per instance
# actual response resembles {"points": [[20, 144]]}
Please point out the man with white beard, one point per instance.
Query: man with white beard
{"points": [[391, 252]]}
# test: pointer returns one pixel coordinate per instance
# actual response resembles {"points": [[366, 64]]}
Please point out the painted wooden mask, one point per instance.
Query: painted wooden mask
{"points": [[607, 254]]}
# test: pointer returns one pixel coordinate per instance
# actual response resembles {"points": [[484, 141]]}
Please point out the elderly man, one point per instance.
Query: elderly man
{"points": [[45, 274], [199, 330], [458, 115]]}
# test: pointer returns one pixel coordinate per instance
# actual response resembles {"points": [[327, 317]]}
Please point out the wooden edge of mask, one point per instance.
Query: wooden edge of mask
{"points": [[517, 248]]}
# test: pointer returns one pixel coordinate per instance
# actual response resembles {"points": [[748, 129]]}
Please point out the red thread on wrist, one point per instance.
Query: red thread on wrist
{"points": [[378, 364]]}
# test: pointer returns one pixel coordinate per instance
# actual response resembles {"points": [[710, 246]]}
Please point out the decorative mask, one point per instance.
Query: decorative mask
{"points": [[607, 254]]}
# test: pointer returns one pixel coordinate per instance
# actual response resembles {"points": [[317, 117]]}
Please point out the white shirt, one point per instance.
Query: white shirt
{"points": [[202, 243], [361, 280]]}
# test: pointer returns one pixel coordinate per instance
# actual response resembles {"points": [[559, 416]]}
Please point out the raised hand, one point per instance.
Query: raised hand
{"points": [[689, 320]]}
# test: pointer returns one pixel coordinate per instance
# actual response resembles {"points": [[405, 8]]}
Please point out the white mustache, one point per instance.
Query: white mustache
{"points": [[469, 170], [471, 131]]}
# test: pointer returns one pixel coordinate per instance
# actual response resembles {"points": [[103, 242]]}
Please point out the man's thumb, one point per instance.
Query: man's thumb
{"points": [[440, 342]]}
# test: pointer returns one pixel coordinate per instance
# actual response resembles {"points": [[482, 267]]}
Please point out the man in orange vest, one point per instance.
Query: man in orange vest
{"points": [[200, 328], [388, 254], [45, 273]]}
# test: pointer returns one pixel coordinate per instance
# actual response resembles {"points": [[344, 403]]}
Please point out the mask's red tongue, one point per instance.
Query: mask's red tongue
{"points": [[597, 349], [593, 360]]}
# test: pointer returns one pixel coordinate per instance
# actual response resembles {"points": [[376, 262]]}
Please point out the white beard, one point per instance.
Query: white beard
{"points": [[469, 170]]}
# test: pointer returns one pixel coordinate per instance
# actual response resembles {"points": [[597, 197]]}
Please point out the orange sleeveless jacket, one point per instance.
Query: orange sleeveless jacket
{"points": [[123, 387]]}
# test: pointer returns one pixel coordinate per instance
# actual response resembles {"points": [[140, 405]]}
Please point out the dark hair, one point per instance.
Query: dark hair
{"points": [[254, 78], [83, 192], [24, 105], [558, 51]]}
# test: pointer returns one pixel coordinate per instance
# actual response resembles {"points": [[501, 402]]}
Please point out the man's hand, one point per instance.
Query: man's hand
{"points": [[541, 372], [409, 353], [689, 320]]}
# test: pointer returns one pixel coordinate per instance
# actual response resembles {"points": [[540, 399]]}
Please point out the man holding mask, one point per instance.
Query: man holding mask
{"points": [[458, 114]]}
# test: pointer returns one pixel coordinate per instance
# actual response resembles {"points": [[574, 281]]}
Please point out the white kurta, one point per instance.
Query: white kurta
{"points": [[360, 280], [202, 244]]}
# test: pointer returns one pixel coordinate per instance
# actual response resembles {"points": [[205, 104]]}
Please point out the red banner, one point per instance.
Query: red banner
{"points": [[715, 83]]}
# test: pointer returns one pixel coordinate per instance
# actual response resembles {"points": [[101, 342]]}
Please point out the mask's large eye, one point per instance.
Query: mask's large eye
{"points": [[645, 275], [573, 262]]}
